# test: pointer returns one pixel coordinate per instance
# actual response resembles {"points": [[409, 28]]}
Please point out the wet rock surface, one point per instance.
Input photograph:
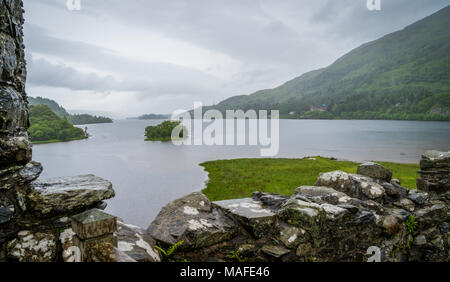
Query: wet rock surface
{"points": [[68, 195], [32, 247], [375, 171], [354, 185], [33, 217], [339, 219], [194, 221], [434, 172], [131, 242], [252, 214]]}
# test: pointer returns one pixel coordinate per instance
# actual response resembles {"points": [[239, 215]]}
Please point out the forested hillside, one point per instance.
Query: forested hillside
{"points": [[403, 75], [76, 119], [46, 126]]}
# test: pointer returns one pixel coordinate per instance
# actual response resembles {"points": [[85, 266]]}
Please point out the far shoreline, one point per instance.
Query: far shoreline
{"points": [[57, 141]]}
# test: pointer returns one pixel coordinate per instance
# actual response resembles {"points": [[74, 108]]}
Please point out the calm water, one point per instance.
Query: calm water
{"points": [[147, 175]]}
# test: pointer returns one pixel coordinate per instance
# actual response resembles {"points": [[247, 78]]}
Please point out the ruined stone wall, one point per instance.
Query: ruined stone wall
{"points": [[344, 217], [336, 220], [15, 148], [34, 216], [434, 172]]}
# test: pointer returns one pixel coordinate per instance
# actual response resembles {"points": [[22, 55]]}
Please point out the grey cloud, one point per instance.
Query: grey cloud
{"points": [[37, 40], [44, 73], [273, 41], [266, 31], [148, 78], [250, 31], [351, 19]]}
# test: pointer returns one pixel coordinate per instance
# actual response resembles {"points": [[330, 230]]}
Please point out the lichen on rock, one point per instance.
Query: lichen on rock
{"points": [[339, 219]]}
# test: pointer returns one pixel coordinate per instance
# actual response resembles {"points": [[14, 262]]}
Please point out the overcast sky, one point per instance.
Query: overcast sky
{"points": [[155, 56]]}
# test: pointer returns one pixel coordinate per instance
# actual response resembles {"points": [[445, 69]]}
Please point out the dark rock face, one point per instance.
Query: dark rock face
{"points": [[375, 171], [252, 214], [67, 195], [193, 220], [434, 172], [6, 210], [32, 247], [31, 215], [336, 221], [15, 148], [354, 185], [131, 242]]}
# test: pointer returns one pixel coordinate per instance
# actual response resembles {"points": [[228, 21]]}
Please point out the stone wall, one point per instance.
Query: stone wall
{"points": [[344, 217], [15, 149], [434, 172], [338, 219], [34, 214]]}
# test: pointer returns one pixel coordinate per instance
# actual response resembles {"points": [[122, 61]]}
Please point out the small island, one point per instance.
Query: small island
{"points": [[47, 127], [163, 131]]}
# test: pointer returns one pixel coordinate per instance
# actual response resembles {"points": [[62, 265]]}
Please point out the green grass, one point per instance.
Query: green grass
{"points": [[231, 179]]}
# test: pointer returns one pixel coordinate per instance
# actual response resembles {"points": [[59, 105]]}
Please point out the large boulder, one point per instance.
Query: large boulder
{"points": [[306, 215], [434, 172], [19, 176], [252, 214], [67, 195], [194, 221], [321, 195], [375, 171], [395, 190], [131, 242], [354, 185], [435, 159], [31, 171]]}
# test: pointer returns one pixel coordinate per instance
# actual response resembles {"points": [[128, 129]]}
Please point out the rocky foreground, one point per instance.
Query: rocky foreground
{"points": [[338, 219], [344, 217]]}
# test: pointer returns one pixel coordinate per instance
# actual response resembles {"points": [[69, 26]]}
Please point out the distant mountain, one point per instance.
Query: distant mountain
{"points": [[403, 75], [75, 119], [152, 116], [55, 107], [112, 115]]}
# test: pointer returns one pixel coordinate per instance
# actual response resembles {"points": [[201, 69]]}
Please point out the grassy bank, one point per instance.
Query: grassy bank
{"points": [[57, 141], [162, 139], [230, 179]]}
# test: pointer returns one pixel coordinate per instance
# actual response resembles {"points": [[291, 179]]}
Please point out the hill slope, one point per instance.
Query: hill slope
{"points": [[46, 126], [403, 75], [76, 119]]}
